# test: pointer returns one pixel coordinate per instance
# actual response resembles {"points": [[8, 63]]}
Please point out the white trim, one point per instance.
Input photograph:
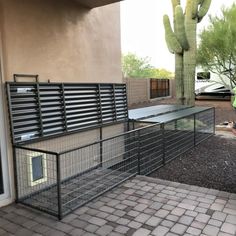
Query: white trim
{"points": [[7, 169], [4, 153], [5, 202], [30, 156]]}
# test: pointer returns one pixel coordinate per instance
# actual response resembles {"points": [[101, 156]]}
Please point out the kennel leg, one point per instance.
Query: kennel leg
{"points": [[59, 202]]}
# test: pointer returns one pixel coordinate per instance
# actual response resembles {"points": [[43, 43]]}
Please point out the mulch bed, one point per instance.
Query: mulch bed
{"points": [[212, 164]]}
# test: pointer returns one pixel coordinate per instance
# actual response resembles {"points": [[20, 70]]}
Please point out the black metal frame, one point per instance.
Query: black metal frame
{"points": [[78, 175], [144, 150], [1, 175]]}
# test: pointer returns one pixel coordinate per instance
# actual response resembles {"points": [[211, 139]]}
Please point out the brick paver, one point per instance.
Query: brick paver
{"points": [[140, 206]]}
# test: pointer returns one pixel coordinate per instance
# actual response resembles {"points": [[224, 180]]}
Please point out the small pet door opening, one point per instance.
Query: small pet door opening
{"points": [[36, 169]]}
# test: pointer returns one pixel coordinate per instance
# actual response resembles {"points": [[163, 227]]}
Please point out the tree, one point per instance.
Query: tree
{"points": [[161, 74], [136, 67], [182, 42], [217, 48]]}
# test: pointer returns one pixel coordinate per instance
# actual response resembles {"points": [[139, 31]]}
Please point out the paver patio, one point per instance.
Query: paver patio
{"points": [[141, 206]]}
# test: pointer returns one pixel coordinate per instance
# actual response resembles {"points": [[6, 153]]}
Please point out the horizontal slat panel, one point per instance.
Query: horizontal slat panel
{"points": [[41, 109]]}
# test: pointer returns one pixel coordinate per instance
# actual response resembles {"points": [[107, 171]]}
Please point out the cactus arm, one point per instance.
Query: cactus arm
{"points": [[204, 7], [180, 28], [174, 4], [171, 39], [192, 8], [183, 43]]}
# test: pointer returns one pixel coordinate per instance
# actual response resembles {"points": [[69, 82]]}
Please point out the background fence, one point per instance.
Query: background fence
{"points": [[141, 90]]}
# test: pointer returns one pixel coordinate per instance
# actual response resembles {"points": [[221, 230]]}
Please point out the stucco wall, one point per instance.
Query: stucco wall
{"points": [[61, 41], [138, 90]]}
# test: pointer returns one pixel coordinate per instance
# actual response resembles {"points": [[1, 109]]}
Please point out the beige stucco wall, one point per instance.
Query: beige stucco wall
{"points": [[61, 41], [138, 90]]}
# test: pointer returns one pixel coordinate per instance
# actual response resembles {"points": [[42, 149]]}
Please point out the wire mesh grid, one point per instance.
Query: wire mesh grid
{"points": [[103, 165], [72, 177], [81, 174], [29, 187], [204, 125], [178, 137], [151, 149]]}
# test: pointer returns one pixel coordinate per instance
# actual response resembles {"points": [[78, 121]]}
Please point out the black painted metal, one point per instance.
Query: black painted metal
{"points": [[16, 176], [64, 106], [1, 176], [194, 129], [58, 164], [40, 110], [163, 143], [139, 155], [77, 175]]}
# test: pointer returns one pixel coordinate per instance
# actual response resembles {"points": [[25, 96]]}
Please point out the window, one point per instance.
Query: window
{"points": [[159, 88], [36, 169]]}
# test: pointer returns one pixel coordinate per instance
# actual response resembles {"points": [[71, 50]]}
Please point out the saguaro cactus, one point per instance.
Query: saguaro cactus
{"points": [[182, 42]]}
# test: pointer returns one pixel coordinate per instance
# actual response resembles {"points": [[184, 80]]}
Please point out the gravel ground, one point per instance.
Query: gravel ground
{"points": [[211, 164]]}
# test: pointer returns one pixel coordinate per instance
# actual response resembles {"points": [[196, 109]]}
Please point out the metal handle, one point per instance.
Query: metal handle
{"points": [[15, 76]]}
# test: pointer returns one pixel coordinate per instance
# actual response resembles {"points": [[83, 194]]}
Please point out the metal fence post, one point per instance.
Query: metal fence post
{"points": [[59, 202], [101, 147], [194, 130], [214, 123], [163, 143], [139, 168], [15, 175]]}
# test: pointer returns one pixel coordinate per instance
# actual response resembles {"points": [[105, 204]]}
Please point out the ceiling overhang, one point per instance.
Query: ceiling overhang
{"points": [[96, 3]]}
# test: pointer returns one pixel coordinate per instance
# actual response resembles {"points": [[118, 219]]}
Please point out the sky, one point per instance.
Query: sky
{"points": [[142, 30]]}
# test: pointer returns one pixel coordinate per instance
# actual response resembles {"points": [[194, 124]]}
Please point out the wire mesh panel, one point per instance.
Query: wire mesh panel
{"points": [[178, 136], [37, 180], [99, 167], [62, 174], [204, 125], [151, 149], [59, 183]]}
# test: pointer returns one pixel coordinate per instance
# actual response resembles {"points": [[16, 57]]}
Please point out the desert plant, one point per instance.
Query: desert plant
{"points": [[217, 48], [182, 42]]}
